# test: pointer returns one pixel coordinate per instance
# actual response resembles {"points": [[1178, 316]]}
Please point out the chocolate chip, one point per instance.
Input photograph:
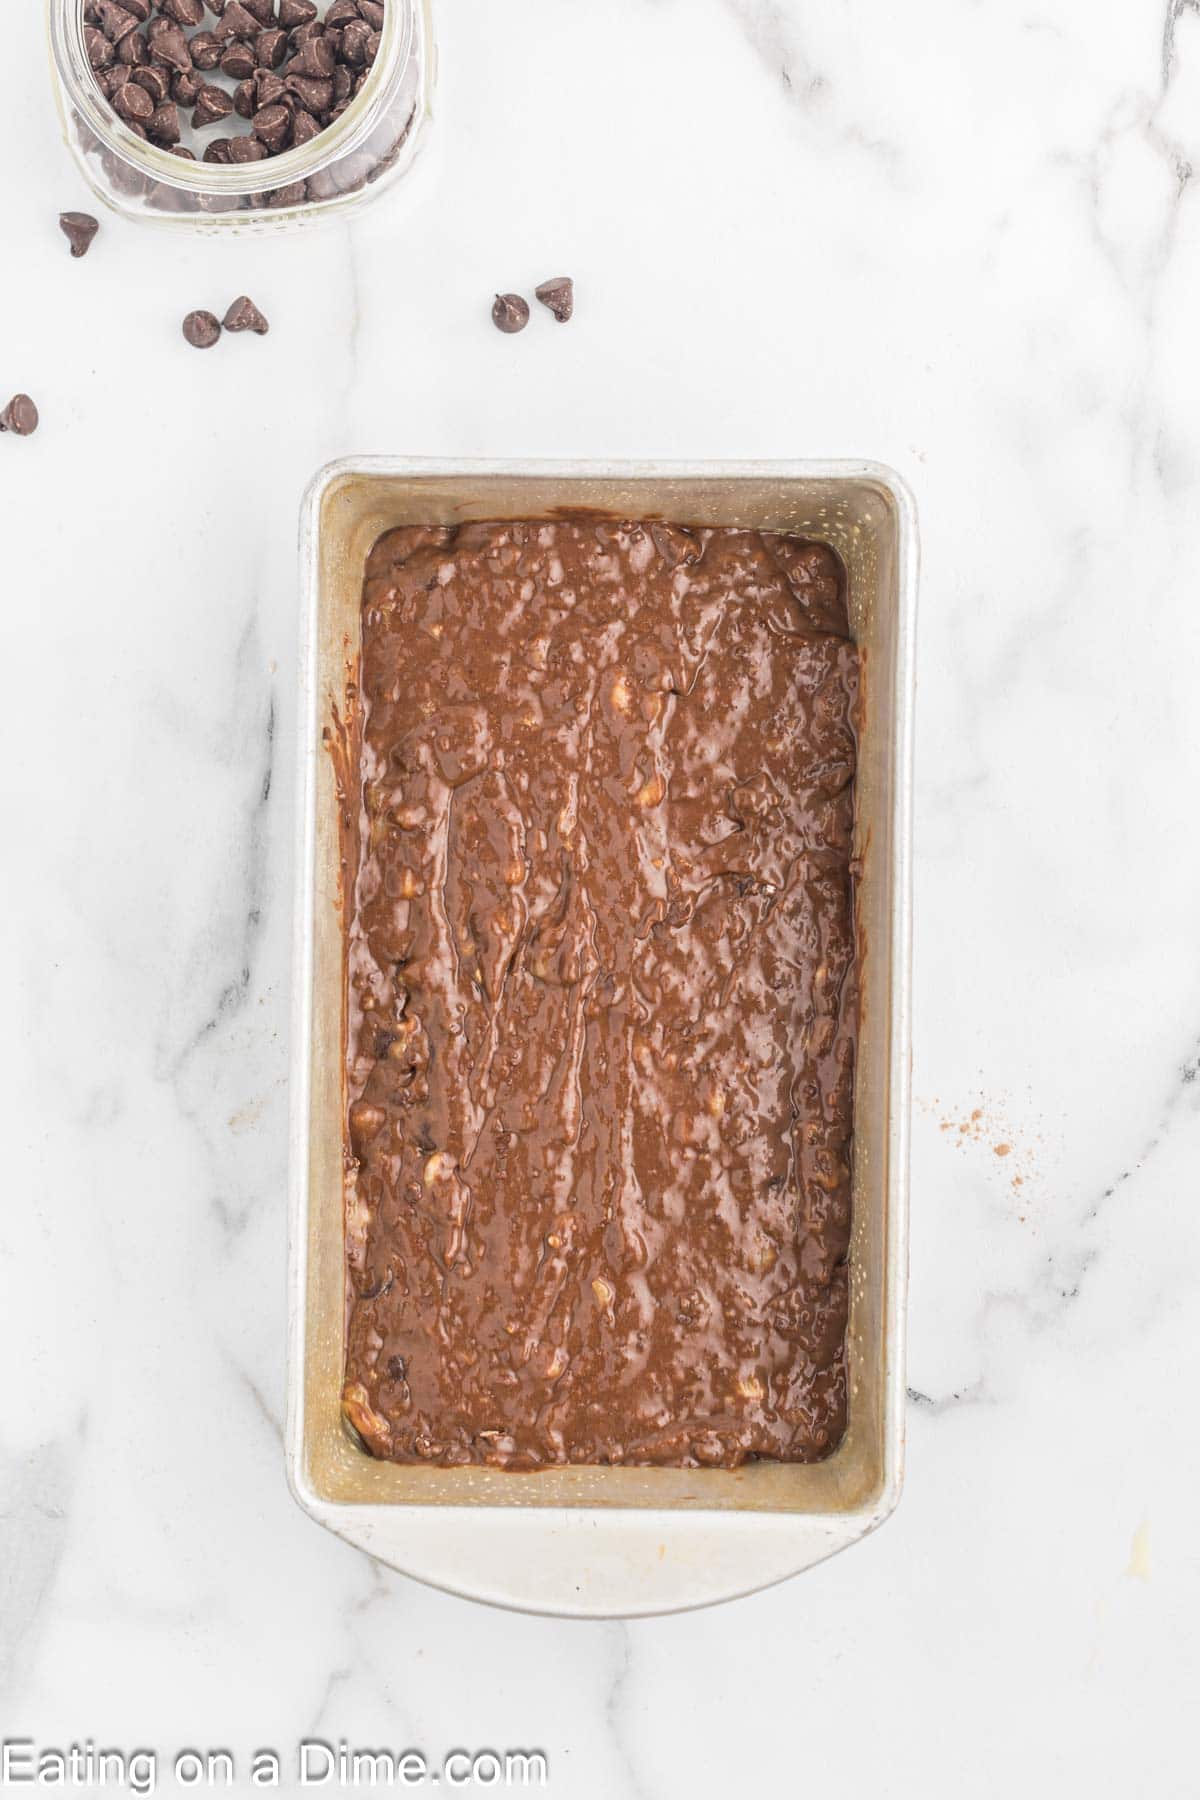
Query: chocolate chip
{"points": [[372, 12], [141, 9], [218, 151], [79, 229], [115, 21], [270, 48], [238, 62], [243, 315], [20, 416], [315, 96], [184, 12], [132, 51], [510, 313], [354, 42], [100, 52], [185, 89], [559, 296], [304, 129], [246, 149], [271, 125], [171, 47], [237, 21], [201, 329], [133, 103], [212, 103], [155, 80], [314, 58], [296, 12], [163, 127], [263, 10], [206, 50], [341, 11]]}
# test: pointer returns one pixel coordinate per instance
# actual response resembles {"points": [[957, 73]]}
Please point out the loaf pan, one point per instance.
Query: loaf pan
{"points": [[608, 1542]]}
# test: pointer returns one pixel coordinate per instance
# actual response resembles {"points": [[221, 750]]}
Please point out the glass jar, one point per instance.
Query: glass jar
{"points": [[369, 148]]}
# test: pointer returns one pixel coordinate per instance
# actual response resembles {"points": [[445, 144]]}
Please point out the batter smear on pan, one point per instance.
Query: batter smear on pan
{"points": [[601, 997]]}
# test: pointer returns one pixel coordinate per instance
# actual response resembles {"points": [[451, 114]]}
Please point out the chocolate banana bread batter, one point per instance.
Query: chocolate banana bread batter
{"points": [[601, 997]]}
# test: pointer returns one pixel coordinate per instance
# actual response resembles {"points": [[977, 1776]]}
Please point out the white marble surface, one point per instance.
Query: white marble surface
{"points": [[962, 238]]}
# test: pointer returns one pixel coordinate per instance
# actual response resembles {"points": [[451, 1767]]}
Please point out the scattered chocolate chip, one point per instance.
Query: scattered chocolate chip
{"points": [[201, 329], [79, 229], [510, 313], [559, 296], [243, 315], [20, 416]]}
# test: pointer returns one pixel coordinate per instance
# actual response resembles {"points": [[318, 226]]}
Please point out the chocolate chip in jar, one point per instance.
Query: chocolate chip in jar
{"points": [[212, 105], [201, 329], [79, 229], [291, 68], [20, 416]]}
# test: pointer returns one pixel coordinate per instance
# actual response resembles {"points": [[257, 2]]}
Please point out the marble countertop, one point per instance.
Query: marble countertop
{"points": [[964, 241]]}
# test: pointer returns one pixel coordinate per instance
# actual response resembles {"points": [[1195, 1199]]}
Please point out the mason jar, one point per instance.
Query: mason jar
{"points": [[370, 147]]}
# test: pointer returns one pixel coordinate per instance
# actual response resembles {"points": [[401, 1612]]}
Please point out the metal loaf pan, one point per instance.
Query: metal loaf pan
{"points": [[597, 1542]]}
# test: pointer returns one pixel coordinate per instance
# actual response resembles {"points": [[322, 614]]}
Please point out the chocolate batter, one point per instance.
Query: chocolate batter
{"points": [[601, 997]]}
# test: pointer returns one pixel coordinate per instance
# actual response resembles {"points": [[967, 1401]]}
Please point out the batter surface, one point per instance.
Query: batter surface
{"points": [[601, 996]]}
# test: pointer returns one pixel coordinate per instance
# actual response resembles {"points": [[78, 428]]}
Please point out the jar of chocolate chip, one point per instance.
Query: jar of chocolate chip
{"points": [[242, 114]]}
